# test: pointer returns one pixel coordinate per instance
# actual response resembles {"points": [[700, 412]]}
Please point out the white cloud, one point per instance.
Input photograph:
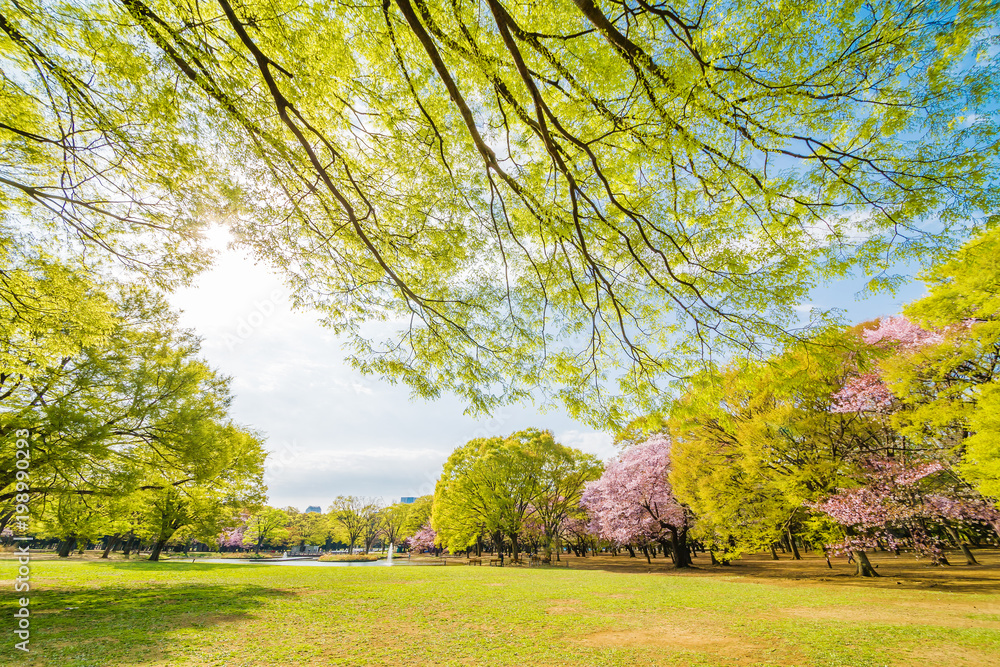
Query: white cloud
{"points": [[330, 430]]}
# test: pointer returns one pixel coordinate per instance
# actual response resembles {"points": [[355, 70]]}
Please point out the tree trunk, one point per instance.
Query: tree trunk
{"points": [[774, 554], [645, 550], [631, 551], [865, 568], [66, 546], [678, 540], [967, 552], [112, 543], [667, 549], [795, 549], [157, 548], [969, 558]]}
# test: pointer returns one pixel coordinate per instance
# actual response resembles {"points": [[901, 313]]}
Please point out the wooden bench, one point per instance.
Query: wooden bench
{"points": [[475, 560], [496, 562]]}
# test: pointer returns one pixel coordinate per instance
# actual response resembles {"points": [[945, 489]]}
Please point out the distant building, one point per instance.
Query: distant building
{"points": [[314, 509], [408, 499]]}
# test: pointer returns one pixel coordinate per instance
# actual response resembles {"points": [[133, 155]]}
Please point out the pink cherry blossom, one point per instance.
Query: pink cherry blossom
{"points": [[890, 503], [633, 500], [423, 539], [863, 393], [233, 537], [899, 329]]}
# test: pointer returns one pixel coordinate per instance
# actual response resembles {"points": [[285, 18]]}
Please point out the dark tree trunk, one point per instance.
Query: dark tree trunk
{"points": [[795, 549], [112, 543], [645, 550], [678, 540], [66, 547], [631, 551], [865, 568], [774, 554], [157, 548], [966, 551], [667, 549]]}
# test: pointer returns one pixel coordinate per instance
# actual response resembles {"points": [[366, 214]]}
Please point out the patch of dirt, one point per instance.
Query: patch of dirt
{"points": [[562, 609], [702, 639], [563, 606]]}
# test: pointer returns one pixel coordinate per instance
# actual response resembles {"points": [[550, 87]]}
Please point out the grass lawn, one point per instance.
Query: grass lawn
{"points": [[174, 613]]}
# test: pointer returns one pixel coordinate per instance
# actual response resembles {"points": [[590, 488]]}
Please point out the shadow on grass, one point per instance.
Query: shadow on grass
{"points": [[133, 623], [900, 573]]}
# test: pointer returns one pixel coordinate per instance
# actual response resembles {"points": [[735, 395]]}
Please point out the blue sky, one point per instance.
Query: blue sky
{"points": [[332, 431]]}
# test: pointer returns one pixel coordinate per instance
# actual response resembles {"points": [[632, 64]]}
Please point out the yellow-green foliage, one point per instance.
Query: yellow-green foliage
{"points": [[754, 442], [951, 391]]}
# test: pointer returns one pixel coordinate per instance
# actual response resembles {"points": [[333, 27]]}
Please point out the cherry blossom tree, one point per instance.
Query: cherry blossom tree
{"points": [[903, 332], [233, 538], [867, 392], [634, 501], [423, 539], [893, 501], [863, 393]]}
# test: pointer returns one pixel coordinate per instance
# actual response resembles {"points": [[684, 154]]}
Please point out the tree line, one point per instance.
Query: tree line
{"points": [[128, 429], [879, 436], [592, 196]]}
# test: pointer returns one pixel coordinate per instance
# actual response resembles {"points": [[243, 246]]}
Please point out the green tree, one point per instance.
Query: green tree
{"points": [[950, 390], [357, 516], [491, 486], [754, 442], [130, 411], [224, 475], [565, 472], [49, 311], [306, 527], [572, 194], [267, 524], [96, 138], [394, 522], [418, 514]]}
